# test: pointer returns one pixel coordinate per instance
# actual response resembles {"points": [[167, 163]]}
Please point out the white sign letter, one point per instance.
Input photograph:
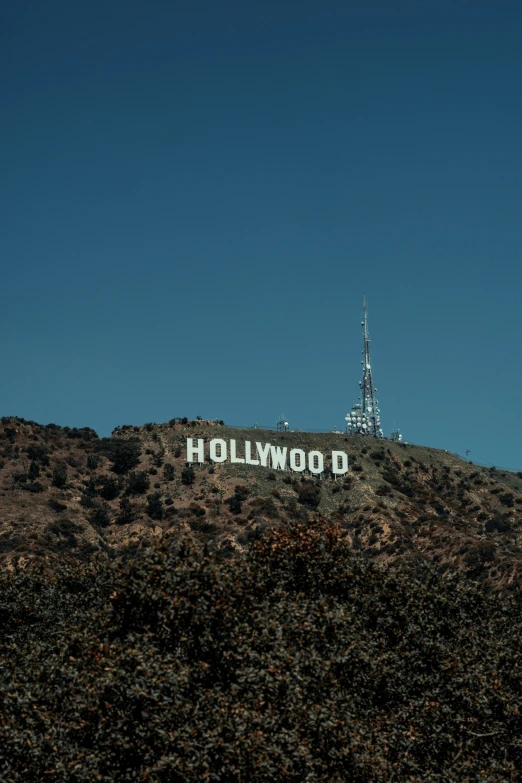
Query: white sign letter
{"points": [[278, 457], [339, 463], [302, 459], [315, 462], [214, 456], [233, 455], [263, 452], [248, 455], [193, 450]]}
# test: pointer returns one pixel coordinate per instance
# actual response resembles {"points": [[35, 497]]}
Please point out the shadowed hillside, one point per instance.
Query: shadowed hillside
{"points": [[68, 495], [297, 660]]}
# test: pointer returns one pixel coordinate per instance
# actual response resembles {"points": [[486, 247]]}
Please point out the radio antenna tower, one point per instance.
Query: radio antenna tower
{"points": [[364, 418], [282, 425]]}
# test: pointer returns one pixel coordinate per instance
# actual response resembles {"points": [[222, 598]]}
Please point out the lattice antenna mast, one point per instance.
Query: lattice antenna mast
{"points": [[364, 418], [370, 406]]}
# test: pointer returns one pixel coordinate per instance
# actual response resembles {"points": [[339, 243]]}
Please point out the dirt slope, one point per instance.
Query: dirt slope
{"points": [[66, 494]]}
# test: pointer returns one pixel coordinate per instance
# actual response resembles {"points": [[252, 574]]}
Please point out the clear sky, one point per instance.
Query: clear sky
{"points": [[196, 195]]}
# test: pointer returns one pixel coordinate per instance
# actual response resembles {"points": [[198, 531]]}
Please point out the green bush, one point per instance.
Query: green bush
{"points": [[82, 433], [158, 458], [56, 505], [496, 525], [34, 486], [124, 453], [138, 483], [234, 503], [59, 478], [201, 526], [108, 488], [155, 506], [187, 475], [93, 461], [127, 513], [65, 528], [89, 493], [38, 454], [10, 434], [100, 515]]}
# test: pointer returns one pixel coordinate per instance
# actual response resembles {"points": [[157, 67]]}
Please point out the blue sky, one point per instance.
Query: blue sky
{"points": [[195, 197]]}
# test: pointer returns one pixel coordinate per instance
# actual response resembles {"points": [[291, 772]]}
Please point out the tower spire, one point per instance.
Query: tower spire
{"points": [[364, 418]]}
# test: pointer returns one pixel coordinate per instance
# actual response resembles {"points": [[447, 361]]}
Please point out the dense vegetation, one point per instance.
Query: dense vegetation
{"points": [[297, 661]]}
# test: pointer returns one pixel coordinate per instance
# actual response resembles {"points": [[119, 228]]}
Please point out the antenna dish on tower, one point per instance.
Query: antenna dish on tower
{"points": [[282, 425]]}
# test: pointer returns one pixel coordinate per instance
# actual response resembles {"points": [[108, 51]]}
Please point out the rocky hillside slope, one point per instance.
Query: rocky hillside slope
{"points": [[66, 494]]}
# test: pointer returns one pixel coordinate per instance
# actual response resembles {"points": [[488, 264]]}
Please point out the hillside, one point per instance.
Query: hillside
{"points": [[364, 628], [67, 495], [296, 660]]}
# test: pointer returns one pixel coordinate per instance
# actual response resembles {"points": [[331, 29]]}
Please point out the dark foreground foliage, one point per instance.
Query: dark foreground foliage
{"points": [[298, 662]]}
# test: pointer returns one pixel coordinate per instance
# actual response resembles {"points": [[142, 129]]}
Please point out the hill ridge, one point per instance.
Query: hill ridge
{"points": [[67, 494]]}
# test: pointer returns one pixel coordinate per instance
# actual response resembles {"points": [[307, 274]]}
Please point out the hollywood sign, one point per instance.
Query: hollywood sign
{"points": [[266, 455]]}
